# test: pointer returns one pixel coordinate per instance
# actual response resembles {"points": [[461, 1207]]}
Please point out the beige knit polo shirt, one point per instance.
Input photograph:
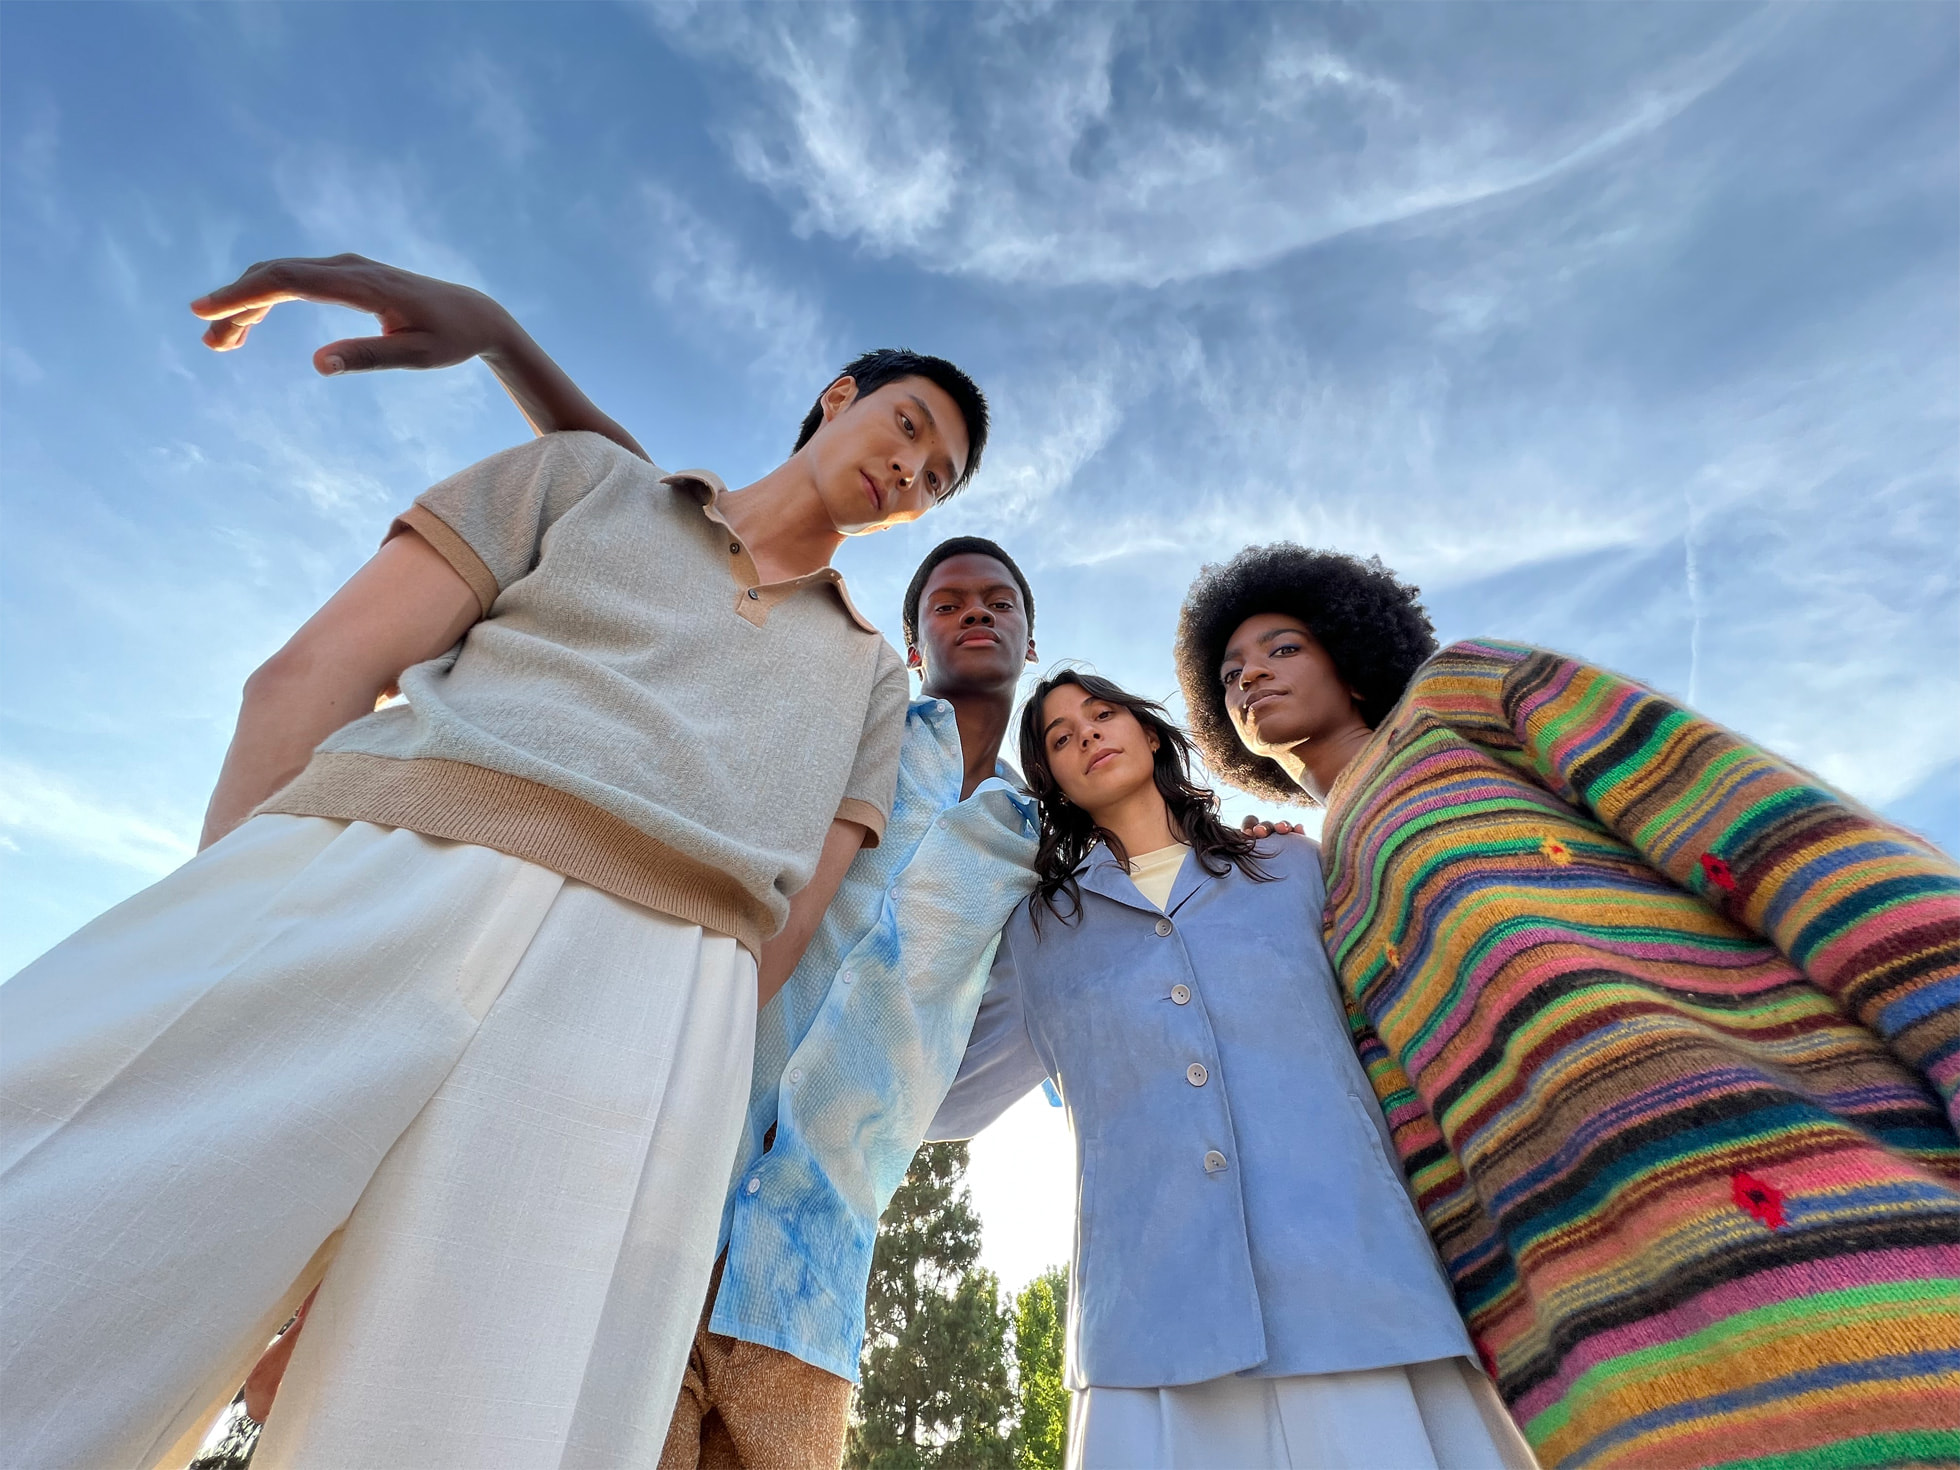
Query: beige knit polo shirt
{"points": [[634, 710]]}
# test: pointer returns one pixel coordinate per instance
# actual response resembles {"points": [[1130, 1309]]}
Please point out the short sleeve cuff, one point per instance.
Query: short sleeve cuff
{"points": [[453, 549], [865, 815]]}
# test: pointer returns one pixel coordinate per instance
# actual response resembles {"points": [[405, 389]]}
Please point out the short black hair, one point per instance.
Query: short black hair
{"points": [[959, 546], [1371, 623], [882, 365]]}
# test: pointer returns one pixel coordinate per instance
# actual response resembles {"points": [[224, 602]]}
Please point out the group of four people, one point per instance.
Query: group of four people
{"points": [[1594, 1077]]}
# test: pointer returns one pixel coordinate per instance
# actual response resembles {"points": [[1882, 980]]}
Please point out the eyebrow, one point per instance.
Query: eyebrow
{"points": [[1059, 718], [1264, 638], [945, 587]]}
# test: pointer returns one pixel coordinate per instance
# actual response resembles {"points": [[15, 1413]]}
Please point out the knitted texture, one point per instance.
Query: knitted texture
{"points": [[1668, 1034]]}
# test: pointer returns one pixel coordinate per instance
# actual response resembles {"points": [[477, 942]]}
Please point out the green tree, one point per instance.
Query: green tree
{"points": [[933, 1391], [1040, 1327]]}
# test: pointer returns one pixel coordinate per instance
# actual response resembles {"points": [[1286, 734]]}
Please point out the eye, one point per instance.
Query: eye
{"points": [[906, 424], [1285, 648], [1103, 714], [932, 482], [1230, 678]]}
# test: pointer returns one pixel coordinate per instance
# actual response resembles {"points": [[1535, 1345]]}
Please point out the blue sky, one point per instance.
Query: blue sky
{"points": [[1631, 330]]}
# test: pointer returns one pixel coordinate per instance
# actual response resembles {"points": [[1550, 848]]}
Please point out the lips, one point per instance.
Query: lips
{"points": [[976, 635], [872, 493], [1104, 756], [1264, 696]]}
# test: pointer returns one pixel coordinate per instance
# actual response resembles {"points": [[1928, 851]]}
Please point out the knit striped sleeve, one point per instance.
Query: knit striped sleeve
{"points": [[1868, 911]]}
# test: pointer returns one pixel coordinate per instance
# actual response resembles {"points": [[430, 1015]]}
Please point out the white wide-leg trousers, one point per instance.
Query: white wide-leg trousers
{"points": [[498, 1109], [1442, 1415]]}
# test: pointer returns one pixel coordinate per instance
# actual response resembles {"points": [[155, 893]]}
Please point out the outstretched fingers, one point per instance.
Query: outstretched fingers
{"points": [[337, 280]]}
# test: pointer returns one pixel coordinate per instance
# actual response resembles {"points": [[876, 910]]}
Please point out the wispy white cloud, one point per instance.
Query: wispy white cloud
{"points": [[703, 275], [1130, 146], [39, 807], [494, 101]]}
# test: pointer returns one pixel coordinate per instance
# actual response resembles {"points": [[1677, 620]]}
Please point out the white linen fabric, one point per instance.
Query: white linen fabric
{"points": [[518, 1094], [1439, 1415]]}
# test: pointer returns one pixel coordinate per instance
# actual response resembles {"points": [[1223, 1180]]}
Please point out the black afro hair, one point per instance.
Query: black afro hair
{"points": [[1370, 623]]}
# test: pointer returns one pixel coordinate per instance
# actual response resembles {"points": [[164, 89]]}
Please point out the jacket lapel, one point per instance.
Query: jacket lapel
{"points": [[1103, 874]]}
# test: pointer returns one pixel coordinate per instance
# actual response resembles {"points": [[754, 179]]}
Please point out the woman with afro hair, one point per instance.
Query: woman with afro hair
{"points": [[1667, 1031]]}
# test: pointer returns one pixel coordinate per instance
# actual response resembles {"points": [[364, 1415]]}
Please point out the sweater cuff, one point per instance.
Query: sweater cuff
{"points": [[865, 815]]}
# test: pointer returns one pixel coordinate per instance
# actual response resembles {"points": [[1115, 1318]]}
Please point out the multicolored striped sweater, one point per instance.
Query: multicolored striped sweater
{"points": [[1668, 1034]]}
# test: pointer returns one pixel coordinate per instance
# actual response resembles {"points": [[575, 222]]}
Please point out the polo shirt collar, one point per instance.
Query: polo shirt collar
{"points": [[707, 489]]}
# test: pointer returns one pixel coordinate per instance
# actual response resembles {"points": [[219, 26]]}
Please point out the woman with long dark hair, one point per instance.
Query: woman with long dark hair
{"points": [[1251, 1285], [1668, 1031]]}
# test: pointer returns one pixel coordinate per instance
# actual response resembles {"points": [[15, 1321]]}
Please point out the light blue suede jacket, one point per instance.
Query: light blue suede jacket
{"points": [[1239, 1208]]}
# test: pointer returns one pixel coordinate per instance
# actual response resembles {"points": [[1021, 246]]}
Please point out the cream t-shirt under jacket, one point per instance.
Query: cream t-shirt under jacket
{"points": [[635, 710]]}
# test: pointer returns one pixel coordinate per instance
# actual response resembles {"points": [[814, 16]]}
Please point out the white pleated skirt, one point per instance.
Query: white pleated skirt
{"points": [[1444, 1415], [497, 1110]]}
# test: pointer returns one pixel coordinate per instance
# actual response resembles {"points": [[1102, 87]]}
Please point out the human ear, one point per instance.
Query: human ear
{"points": [[1032, 658], [839, 396], [912, 659]]}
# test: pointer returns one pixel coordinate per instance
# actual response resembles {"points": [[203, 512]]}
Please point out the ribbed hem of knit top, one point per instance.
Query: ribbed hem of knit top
{"points": [[465, 803]]}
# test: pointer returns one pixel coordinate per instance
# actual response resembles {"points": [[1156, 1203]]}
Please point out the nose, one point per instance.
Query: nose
{"points": [[977, 616], [904, 475], [1252, 674]]}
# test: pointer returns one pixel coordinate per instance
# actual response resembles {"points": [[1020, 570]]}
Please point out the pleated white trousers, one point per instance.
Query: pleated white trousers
{"points": [[501, 1106], [1443, 1415]]}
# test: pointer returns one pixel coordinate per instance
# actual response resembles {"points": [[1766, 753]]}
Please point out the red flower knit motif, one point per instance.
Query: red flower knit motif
{"points": [[1760, 1201], [1718, 872], [1557, 851]]}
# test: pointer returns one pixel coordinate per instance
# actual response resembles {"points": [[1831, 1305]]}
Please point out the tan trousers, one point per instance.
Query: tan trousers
{"points": [[748, 1407]]}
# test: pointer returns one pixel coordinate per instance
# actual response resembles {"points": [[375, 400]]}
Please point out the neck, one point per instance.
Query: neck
{"points": [[782, 521], [1317, 764], [982, 716], [1140, 821]]}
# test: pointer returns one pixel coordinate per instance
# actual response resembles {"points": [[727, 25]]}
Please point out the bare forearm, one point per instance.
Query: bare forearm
{"points": [[284, 716], [549, 400], [781, 955]]}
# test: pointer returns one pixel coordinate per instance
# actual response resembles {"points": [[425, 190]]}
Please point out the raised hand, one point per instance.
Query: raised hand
{"points": [[425, 323], [1260, 827]]}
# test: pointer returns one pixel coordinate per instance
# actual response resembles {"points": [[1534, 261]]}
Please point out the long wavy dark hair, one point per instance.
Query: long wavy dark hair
{"points": [[1068, 833]]}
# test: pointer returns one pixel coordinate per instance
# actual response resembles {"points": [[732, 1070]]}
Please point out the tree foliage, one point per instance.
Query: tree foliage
{"points": [[1040, 1327], [933, 1388]]}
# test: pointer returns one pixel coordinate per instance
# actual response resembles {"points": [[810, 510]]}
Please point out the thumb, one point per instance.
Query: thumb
{"points": [[372, 354]]}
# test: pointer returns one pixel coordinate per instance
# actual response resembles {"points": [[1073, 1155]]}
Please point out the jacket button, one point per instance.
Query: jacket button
{"points": [[1181, 994], [1196, 1074], [754, 1185], [1164, 928], [1214, 1162]]}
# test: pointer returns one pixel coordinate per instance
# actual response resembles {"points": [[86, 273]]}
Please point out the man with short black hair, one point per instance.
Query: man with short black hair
{"points": [[457, 1003]]}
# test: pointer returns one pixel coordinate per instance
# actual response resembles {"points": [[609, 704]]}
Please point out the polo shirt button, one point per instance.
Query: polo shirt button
{"points": [[734, 548], [1214, 1162], [1196, 1074], [1163, 928], [754, 1185], [1181, 994], [755, 594]]}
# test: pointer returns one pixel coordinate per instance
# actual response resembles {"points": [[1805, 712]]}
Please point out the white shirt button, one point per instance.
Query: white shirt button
{"points": [[1163, 928], [1181, 994], [754, 1185], [795, 1075], [1196, 1074], [847, 976], [1214, 1162]]}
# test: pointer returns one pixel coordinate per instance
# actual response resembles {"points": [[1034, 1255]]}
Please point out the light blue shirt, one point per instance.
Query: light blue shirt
{"points": [[1239, 1208], [855, 1052]]}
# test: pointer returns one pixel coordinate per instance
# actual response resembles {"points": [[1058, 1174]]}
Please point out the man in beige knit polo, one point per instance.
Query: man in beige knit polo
{"points": [[459, 997]]}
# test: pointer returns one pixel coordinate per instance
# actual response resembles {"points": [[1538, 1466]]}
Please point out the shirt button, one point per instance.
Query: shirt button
{"points": [[1163, 928], [755, 594], [1214, 1162], [754, 1185], [795, 1075], [847, 976], [1196, 1074], [1181, 994]]}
